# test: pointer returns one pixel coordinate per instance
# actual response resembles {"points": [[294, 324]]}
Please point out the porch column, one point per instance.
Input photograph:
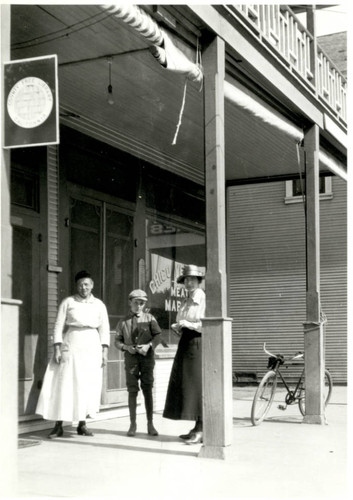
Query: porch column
{"points": [[217, 334], [9, 307], [313, 329]]}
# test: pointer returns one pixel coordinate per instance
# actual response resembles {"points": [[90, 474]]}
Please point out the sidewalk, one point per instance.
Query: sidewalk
{"points": [[282, 458]]}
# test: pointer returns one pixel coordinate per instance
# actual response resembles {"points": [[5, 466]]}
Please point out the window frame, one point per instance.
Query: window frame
{"points": [[289, 198]]}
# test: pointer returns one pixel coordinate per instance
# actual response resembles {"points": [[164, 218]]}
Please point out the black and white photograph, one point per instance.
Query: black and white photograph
{"points": [[175, 241]]}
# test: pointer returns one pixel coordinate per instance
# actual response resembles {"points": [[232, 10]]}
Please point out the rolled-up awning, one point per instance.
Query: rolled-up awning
{"points": [[162, 47], [247, 100], [332, 164]]}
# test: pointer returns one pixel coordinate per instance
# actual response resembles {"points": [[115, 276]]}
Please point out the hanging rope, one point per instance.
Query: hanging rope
{"points": [[180, 114], [301, 177], [199, 65]]}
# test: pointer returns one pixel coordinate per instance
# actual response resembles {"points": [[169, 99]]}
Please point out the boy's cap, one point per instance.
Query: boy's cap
{"points": [[138, 294]]}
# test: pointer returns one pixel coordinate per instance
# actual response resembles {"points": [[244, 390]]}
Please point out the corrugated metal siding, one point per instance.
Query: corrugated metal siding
{"points": [[333, 232], [266, 273], [53, 238]]}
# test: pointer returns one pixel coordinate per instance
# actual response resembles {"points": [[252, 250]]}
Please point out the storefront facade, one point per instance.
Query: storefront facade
{"points": [[122, 219]]}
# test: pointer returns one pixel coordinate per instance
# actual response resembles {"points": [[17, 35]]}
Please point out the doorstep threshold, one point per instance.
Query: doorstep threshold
{"points": [[34, 423]]}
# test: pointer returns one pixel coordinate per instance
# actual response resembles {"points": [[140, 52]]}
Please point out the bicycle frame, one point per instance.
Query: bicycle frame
{"points": [[292, 395]]}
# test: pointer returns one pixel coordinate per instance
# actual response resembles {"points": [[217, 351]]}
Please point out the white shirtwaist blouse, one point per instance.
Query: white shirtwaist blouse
{"points": [[72, 389], [193, 309]]}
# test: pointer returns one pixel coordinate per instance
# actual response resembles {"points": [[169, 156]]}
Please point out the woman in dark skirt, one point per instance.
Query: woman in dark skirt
{"points": [[184, 396]]}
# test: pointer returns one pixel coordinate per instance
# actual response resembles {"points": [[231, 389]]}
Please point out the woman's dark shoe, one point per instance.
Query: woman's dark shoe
{"points": [[195, 438], [132, 430], [188, 435], [83, 431], [56, 432], [151, 429]]}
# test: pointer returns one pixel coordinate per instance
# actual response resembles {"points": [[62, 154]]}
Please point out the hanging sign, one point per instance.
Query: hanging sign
{"points": [[31, 102]]}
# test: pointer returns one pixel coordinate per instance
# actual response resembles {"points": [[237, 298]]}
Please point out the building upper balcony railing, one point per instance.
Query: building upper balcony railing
{"points": [[281, 31]]}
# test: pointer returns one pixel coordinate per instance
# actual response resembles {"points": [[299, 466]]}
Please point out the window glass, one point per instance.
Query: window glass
{"points": [[297, 186], [25, 189], [169, 247]]}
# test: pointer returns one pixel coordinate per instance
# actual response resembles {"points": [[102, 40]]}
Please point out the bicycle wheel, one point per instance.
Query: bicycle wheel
{"points": [[263, 397], [327, 392]]}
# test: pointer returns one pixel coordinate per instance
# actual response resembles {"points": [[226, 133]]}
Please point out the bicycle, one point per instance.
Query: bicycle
{"points": [[265, 392]]}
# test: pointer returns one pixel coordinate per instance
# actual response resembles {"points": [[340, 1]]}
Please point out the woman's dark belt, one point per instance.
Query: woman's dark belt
{"points": [[190, 334]]}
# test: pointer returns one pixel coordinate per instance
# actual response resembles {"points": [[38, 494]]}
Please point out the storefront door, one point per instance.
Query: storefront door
{"points": [[27, 241], [101, 242]]}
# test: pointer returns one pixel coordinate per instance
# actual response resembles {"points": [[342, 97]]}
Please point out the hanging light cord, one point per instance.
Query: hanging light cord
{"points": [[110, 74]]}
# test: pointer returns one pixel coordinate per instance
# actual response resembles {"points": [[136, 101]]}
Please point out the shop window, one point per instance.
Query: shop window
{"points": [[295, 187], [25, 189], [170, 247], [98, 166], [174, 196]]}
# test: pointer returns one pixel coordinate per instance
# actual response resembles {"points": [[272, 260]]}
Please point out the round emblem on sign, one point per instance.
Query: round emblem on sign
{"points": [[30, 102]]}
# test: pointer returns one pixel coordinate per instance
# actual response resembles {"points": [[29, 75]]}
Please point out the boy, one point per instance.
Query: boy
{"points": [[138, 334]]}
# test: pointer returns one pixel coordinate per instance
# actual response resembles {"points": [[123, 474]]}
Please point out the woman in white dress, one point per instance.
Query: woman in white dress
{"points": [[72, 383]]}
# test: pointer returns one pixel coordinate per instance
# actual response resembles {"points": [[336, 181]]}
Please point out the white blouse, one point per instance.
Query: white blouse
{"points": [[74, 311], [193, 309]]}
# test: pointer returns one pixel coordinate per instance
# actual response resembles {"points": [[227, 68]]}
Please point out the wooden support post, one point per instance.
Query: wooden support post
{"points": [[216, 335], [313, 330], [9, 307]]}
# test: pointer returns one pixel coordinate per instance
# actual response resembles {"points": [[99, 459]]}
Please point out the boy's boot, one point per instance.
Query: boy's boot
{"points": [[82, 429], [132, 410], [147, 393]]}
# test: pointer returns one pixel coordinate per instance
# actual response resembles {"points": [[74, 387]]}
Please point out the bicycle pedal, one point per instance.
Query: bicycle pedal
{"points": [[282, 407]]}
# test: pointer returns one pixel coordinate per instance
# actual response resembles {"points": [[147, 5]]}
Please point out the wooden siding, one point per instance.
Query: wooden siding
{"points": [[53, 240], [266, 273]]}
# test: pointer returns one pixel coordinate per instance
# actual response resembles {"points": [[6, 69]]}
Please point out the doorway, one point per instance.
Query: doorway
{"points": [[28, 256], [101, 242]]}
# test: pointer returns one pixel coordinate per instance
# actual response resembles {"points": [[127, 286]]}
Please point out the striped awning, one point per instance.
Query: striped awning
{"points": [[162, 47]]}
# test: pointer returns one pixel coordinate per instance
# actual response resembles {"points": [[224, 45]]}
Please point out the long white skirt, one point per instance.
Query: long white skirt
{"points": [[72, 389]]}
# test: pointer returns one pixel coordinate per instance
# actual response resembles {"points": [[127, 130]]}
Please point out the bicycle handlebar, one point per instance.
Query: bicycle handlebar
{"points": [[298, 355]]}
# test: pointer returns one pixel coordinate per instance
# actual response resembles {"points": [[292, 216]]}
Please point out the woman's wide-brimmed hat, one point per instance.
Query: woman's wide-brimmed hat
{"points": [[190, 270]]}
